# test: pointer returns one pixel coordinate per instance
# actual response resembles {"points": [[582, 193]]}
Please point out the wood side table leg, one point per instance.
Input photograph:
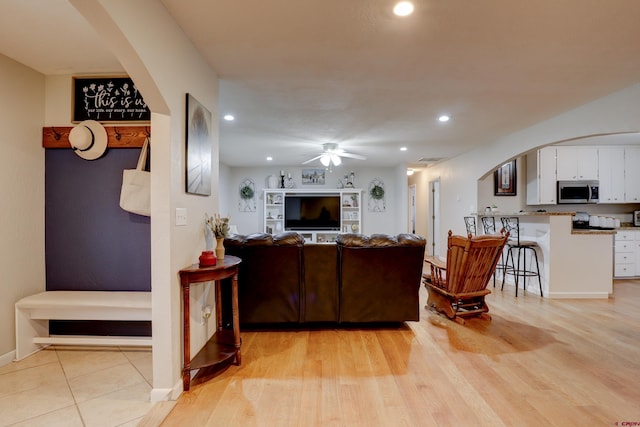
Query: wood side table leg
{"points": [[236, 317], [186, 371], [218, 305]]}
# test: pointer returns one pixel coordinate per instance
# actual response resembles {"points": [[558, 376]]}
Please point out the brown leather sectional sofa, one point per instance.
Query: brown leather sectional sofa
{"points": [[359, 279]]}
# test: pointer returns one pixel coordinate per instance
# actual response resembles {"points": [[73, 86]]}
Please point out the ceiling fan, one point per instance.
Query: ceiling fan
{"points": [[333, 155]]}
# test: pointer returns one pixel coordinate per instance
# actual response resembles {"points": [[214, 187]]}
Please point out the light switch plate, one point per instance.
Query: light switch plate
{"points": [[181, 216]]}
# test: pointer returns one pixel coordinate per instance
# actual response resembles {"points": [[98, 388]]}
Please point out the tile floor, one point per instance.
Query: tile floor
{"points": [[73, 386]]}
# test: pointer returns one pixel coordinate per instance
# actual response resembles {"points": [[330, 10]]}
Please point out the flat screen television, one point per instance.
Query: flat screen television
{"points": [[312, 212]]}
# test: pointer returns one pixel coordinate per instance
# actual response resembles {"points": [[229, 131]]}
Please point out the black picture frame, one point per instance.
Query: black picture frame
{"points": [[113, 99], [198, 147], [505, 180]]}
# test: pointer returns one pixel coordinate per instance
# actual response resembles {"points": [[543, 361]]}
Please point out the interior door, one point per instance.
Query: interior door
{"points": [[412, 209], [434, 235]]}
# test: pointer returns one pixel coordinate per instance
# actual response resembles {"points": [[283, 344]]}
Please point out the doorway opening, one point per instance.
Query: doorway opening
{"points": [[434, 203]]}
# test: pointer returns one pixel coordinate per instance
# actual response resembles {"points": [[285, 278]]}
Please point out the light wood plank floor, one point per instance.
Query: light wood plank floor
{"points": [[538, 362]]}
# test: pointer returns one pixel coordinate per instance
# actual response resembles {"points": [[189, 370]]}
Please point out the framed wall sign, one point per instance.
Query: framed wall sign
{"points": [[198, 142], [504, 180], [107, 99]]}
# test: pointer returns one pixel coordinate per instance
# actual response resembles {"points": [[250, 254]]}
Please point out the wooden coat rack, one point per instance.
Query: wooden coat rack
{"points": [[117, 136]]}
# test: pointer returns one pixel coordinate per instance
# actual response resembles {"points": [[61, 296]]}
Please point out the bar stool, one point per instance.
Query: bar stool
{"points": [[470, 223], [489, 227], [512, 225]]}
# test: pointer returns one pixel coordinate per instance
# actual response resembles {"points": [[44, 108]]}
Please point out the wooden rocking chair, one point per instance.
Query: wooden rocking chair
{"points": [[457, 286]]}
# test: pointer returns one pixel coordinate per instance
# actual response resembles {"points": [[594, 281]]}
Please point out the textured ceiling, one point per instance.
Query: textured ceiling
{"points": [[297, 74]]}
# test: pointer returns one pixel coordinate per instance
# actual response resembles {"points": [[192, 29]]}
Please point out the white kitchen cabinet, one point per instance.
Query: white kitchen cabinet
{"points": [[541, 177], [632, 174], [627, 253], [611, 174], [576, 163]]}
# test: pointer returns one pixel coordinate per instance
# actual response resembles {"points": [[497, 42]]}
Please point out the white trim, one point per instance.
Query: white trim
{"points": [[584, 295], [164, 394], [7, 358]]}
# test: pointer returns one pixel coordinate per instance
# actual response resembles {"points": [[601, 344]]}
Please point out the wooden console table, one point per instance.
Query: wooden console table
{"points": [[225, 342]]}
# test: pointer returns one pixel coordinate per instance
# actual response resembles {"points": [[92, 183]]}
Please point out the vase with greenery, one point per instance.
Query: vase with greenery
{"points": [[219, 226]]}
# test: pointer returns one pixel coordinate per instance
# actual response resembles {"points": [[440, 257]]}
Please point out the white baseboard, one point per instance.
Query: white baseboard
{"points": [[163, 394], [578, 295], [7, 358]]}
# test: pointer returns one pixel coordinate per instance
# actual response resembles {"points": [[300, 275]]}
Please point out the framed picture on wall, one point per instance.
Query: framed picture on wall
{"points": [[504, 180], [313, 176], [198, 147]]}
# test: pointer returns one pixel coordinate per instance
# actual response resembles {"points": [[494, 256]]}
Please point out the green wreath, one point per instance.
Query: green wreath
{"points": [[376, 192], [246, 193]]}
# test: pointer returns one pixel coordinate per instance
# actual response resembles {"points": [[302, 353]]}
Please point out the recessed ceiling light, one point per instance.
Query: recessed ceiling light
{"points": [[269, 158], [403, 8], [229, 117], [444, 118], [410, 172], [403, 148]]}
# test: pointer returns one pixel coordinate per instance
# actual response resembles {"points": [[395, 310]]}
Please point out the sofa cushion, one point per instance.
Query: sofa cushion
{"points": [[379, 277], [320, 287], [269, 277]]}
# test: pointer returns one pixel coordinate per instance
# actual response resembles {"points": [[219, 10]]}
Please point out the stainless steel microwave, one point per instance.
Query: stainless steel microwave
{"points": [[578, 191]]}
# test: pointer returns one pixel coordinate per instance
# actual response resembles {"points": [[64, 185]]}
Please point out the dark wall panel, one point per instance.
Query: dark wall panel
{"points": [[91, 243]]}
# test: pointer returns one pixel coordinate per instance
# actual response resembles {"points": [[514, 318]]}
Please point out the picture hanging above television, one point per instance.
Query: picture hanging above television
{"points": [[312, 212]]}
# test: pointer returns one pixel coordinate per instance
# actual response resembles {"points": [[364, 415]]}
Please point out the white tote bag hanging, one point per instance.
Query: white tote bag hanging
{"points": [[135, 195]]}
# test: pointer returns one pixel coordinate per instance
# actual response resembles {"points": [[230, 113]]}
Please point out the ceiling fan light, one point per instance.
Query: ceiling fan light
{"points": [[403, 8], [325, 160], [336, 160]]}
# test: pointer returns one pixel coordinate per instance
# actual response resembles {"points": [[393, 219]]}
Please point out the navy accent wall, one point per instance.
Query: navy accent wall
{"points": [[91, 243]]}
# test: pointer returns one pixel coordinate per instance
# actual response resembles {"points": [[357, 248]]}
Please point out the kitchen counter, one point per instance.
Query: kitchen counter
{"points": [[521, 213], [593, 231], [628, 226], [574, 263]]}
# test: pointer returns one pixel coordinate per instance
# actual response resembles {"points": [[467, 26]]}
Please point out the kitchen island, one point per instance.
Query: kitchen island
{"points": [[573, 263]]}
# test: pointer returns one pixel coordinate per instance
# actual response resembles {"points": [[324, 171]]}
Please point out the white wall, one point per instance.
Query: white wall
{"points": [[486, 192], [22, 189], [392, 221], [618, 112], [165, 66]]}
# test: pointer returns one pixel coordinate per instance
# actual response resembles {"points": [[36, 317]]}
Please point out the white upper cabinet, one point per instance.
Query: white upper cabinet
{"points": [[632, 174], [576, 163], [541, 177], [611, 161]]}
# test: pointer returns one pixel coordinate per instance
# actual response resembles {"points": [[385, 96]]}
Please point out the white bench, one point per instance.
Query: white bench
{"points": [[34, 312]]}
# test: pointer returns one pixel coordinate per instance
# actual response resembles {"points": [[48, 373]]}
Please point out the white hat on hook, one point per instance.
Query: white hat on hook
{"points": [[88, 139]]}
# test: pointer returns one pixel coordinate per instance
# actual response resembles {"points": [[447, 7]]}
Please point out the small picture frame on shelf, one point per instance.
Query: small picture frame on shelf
{"points": [[278, 199]]}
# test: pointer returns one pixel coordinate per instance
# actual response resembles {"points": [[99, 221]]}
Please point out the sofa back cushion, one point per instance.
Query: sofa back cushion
{"points": [[320, 294], [269, 277], [380, 277]]}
